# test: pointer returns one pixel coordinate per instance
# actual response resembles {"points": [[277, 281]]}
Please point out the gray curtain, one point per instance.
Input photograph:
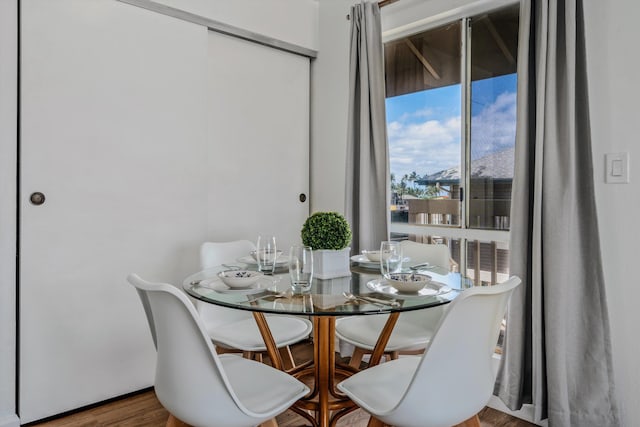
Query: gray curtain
{"points": [[367, 170], [557, 352]]}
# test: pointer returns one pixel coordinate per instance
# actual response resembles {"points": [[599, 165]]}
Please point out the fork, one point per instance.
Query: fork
{"points": [[276, 295], [375, 301]]}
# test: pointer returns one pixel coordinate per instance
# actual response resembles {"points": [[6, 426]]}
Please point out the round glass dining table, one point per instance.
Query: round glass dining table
{"points": [[362, 293]]}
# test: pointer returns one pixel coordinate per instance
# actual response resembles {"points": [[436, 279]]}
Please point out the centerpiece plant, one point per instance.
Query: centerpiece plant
{"points": [[329, 235]]}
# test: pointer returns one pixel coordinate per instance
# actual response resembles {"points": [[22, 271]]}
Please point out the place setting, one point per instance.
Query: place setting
{"points": [[266, 258], [370, 259], [398, 284], [236, 281]]}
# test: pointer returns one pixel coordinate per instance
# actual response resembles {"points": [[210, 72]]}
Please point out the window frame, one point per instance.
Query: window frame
{"points": [[463, 232]]}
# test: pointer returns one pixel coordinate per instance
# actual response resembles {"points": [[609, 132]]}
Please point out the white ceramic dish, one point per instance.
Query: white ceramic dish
{"points": [[238, 279], [248, 259], [372, 256], [364, 262], [265, 255], [263, 284], [383, 287], [408, 282]]}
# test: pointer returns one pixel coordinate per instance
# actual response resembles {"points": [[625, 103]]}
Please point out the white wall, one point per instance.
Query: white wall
{"points": [[611, 35], [8, 116], [612, 66]]}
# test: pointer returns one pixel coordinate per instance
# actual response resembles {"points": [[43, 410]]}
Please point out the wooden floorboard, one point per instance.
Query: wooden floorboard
{"points": [[144, 409]]}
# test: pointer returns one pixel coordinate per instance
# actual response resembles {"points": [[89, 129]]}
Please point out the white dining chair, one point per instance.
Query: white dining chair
{"points": [[233, 330], [452, 381], [413, 330], [435, 254], [199, 387]]}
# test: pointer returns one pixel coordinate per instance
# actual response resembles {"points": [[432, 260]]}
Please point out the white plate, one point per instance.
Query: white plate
{"points": [[365, 263], [265, 283], [432, 288], [248, 259]]}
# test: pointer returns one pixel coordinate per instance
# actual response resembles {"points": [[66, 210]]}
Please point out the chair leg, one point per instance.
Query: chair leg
{"points": [[224, 350], [269, 423], [287, 357], [471, 422], [374, 422], [174, 422], [356, 358]]}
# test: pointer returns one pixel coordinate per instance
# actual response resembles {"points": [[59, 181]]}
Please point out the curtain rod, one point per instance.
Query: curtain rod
{"points": [[381, 3]]}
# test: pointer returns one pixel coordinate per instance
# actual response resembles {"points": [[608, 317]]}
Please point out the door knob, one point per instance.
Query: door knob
{"points": [[302, 197], [37, 198]]}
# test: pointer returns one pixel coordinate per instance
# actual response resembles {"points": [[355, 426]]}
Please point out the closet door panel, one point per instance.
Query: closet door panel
{"points": [[113, 133], [258, 137]]}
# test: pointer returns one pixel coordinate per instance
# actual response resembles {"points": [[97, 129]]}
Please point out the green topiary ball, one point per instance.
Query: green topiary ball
{"points": [[326, 230]]}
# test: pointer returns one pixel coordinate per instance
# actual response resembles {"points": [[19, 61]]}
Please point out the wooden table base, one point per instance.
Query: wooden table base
{"points": [[324, 401]]}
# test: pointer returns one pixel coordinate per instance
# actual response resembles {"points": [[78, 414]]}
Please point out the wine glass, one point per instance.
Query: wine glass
{"points": [[266, 253], [300, 268], [390, 258]]}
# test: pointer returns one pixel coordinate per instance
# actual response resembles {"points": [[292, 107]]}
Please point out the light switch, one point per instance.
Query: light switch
{"points": [[617, 168]]}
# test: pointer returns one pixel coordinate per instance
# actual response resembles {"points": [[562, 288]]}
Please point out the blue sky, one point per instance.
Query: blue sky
{"points": [[424, 127]]}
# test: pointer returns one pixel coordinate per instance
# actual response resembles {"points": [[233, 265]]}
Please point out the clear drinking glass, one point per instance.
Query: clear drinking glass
{"points": [[301, 268], [390, 258], [266, 253]]}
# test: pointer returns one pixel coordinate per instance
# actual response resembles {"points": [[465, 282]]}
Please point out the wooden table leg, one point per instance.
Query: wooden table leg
{"points": [[383, 339], [324, 355], [272, 350]]}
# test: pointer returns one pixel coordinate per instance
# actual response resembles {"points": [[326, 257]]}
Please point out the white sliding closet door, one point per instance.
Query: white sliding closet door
{"points": [[258, 137], [113, 133]]}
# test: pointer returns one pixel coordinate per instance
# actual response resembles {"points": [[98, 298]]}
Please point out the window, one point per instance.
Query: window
{"points": [[451, 116]]}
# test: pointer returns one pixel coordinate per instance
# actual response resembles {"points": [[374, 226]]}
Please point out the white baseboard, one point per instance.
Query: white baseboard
{"points": [[9, 420]]}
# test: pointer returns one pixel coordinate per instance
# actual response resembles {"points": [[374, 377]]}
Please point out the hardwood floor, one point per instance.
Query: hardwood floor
{"points": [[143, 409]]}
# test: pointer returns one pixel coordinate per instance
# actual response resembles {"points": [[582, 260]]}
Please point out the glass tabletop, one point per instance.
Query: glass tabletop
{"points": [[363, 292]]}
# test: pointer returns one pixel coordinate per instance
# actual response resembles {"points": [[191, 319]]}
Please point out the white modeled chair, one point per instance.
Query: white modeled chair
{"points": [[452, 381], [434, 254], [196, 385], [233, 330], [413, 329]]}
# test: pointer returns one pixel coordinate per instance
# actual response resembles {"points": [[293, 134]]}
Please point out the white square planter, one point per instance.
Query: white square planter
{"points": [[328, 264]]}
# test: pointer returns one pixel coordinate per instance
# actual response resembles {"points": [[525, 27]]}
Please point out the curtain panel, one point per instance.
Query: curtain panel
{"points": [[557, 351], [367, 170]]}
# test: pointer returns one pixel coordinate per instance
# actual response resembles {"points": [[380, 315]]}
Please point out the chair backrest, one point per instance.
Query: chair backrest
{"points": [[190, 381], [435, 254], [214, 254], [455, 377], [217, 253], [147, 311]]}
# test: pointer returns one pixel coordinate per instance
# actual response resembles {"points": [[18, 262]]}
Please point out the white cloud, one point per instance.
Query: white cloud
{"points": [[433, 145], [494, 128], [425, 147]]}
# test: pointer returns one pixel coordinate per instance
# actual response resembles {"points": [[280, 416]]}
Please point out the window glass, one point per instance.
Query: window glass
{"points": [[493, 118], [424, 125]]}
